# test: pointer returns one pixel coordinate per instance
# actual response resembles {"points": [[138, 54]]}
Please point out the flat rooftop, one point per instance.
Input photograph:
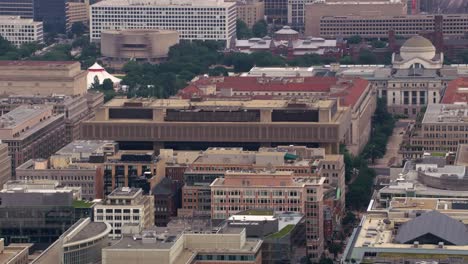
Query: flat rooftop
{"points": [[175, 3], [92, 229], [22, 114], [124, 192], [83, 146], [47, 65], [11, 251], [215, 104], [446, 113], [16, 20], [462, 155]]}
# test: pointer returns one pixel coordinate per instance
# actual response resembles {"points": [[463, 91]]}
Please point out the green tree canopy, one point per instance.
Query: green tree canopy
{"points": [[107, 84], [260, 29], [78, 28], [356, 39], [242, 30]]}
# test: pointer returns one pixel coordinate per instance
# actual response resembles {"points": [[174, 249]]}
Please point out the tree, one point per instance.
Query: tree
{"points": [[463, 57], [260, 29], [335, 248], [243, 31], [367, 57], [349, 218], [346, 60], [107, 84], [218, 71], [78, 28], [96, 85], [242, 62], [324, 260], [354, 39], [378, 44]]}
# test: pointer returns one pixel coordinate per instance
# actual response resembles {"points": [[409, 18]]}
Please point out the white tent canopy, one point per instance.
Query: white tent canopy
{"points": [[98, 71]]}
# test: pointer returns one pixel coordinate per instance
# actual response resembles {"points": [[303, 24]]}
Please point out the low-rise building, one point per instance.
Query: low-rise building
{"points": [[32, 132], [183, 243], [14, 253], [282, 191], [126, 206], [19, 30]]}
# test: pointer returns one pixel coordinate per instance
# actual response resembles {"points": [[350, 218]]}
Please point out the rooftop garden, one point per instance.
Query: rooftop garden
{"points": [[258, 212], [81, 204], [286, 230]]}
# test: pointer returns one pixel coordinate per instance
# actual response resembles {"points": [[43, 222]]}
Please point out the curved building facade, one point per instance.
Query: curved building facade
{"points": [[147, 45]]}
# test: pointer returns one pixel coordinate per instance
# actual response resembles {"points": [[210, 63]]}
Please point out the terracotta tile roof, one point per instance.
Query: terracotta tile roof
{"points": [[349, 90], [453, 94]]}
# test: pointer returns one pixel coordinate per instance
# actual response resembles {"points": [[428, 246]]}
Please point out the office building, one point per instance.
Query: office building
{"points": [[31, 132], [216, 22], [35, 212], [276, 11], [251, 11], [182, 242], [23, 8], [82, 243], [166, 123], [126, 206], [282, 191], [286, 42], [19, 30], [165, 201], [42, 78], [315, 12], [14, 253], [283, 233], [143, 45], [5, 164], [77, 11], [355, 93], [442, 129], [378, 26], [410, 230], [74, 108], [75, 165]]}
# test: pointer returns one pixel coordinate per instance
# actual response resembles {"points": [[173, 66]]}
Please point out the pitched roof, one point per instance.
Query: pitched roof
{"points": [[456, 92], [436, 224]]}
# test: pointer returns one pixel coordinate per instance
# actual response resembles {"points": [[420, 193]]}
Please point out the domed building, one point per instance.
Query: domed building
{"points": [[417, 53]]}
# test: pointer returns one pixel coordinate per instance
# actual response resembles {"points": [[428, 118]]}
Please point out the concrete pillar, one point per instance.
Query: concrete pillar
{"points": [[158, 115], [265, 116], [126, 175]]}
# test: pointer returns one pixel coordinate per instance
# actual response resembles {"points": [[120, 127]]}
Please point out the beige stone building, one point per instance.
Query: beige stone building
{"points": [[250, 11], [18, 30], [217, 122], [316, 10], [5, 164], [42, 78], [119, 46], [77, 11]]}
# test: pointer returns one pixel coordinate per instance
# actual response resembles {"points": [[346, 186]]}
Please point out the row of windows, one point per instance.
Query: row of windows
{"points": [[117, 211]]}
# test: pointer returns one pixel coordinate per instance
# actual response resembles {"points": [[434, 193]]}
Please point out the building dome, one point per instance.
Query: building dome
{"points": [[417, 47]]}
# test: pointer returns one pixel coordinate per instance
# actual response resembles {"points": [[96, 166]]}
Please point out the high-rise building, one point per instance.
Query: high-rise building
{"points": [[201, 20], [5, 164], [126, 206], [281, 191], [250, 11], [19, 30]]}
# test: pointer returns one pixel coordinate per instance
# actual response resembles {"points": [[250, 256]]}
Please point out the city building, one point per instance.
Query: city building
{"points": [[165, 206], [355, 93], [35, 212], [145, 45], [125, 206], [282, 191], [42, 78], [5, 164], [77, 12], [287, 42], [74, 108], [167, 123], [314, 13], [442, 129], [31, 132], [456, 92], [14, 253], [411, 230], [75, 165], [283, 233], [19, 30], [82, 243], [180, 242], [250, 11], [50, 12], [216, 22], [378, 26], [429, 176], [276, 11]]}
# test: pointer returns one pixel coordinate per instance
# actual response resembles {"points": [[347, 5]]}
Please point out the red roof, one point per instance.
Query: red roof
{"points": [[349, 90], [453, 93]]}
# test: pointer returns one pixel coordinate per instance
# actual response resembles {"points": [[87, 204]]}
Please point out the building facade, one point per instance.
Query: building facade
{"points": [[19, 30], [77, 12], [281, 191], [42, 78], [125, 206], [5, 164], [14, 253], [32, 132], [217, 20], [250, 11]]}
